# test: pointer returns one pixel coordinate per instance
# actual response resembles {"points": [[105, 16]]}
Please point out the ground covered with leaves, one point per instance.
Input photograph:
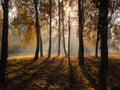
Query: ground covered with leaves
{"points": [[58, 73]]}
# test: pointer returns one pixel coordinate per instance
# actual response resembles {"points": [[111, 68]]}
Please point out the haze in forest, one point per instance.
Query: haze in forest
{"points": [[18, 45], [59, 44]]}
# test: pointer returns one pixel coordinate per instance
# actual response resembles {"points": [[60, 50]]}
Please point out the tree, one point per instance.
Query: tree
{"points": [[69, 30], [37, 30], [28, 14], [50, 27], [4, 47], [81, 45], [41, 44], [96, 2], [113, 6], [59, 36], [38, 33], [97, 41], [63, 29], [103, 27]]}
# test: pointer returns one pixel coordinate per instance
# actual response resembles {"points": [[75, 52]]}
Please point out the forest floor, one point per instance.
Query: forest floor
{"points": [[58, 73]]}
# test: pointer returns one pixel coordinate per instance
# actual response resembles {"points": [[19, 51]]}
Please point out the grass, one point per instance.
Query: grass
{"points": [[57, 73]]}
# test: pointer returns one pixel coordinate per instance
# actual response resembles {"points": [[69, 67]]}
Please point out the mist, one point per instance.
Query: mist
{"points": [[17, 48]]}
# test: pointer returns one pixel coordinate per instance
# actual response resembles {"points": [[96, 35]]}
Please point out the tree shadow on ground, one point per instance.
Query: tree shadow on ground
{"points": [[44, 65], [71, 75], [89, 77], [113, 75], [23, 66], [54, 75], [115, 88], [45, 69]]}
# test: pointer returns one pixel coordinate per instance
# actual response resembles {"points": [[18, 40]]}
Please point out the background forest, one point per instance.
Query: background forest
{"points": [[22, 32]]}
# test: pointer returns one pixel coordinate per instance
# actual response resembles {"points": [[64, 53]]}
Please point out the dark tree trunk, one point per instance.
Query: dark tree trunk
{"points": [[63, 30], [97, 43], [69, 29], [59, 36], [41, 45], [50, 33], [4, 47], [81, 46], [103, 27], [37, 31]]}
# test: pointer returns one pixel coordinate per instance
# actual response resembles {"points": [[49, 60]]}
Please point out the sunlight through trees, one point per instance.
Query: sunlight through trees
{"points": [[81, 34]]}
